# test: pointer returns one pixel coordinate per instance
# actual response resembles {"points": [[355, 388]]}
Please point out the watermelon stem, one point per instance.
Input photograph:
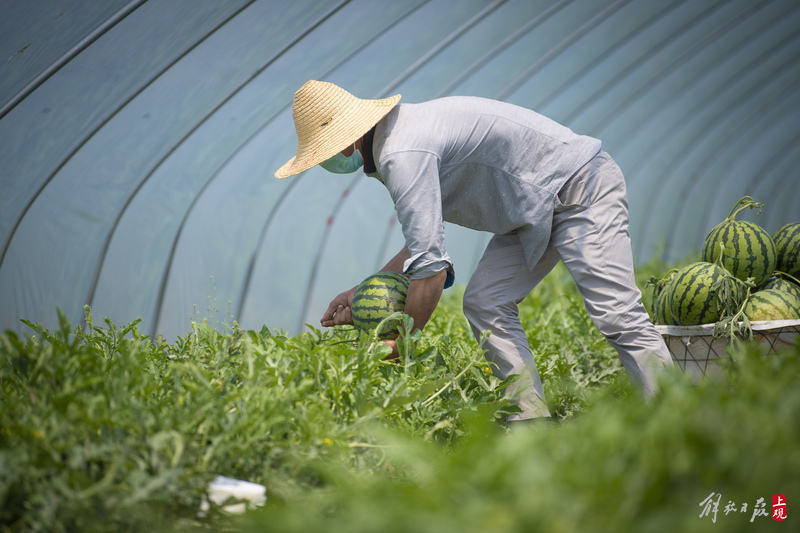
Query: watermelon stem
{"points": [[342, 342], [391, 321], [741, 205], [719, 258], [472, 362], [455, 379], [407, 340], [336, 332], [786, 275], [658, 284]]}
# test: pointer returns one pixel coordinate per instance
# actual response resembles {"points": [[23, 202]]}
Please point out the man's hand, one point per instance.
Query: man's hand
{"points": [[395, 351], [423, 296], [338, 313]]}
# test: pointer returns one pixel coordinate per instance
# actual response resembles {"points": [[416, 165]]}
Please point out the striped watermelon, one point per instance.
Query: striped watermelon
{"points": [[377, 297], [747, 249], [660, 312], [787, 246], [772, 304], [783, 285], [691, 299]]}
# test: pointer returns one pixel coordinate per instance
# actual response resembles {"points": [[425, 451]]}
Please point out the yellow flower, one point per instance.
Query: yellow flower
{"points": [[327, 442]]}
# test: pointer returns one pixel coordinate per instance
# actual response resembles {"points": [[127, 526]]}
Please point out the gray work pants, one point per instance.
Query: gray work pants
{"points": [[590, 236]]}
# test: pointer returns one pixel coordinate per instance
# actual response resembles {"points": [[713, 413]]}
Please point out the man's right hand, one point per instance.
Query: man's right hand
{"points": [[338, 313]]}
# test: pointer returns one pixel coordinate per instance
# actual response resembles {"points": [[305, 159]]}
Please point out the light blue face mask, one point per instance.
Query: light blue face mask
{"points": [[343, 164]]}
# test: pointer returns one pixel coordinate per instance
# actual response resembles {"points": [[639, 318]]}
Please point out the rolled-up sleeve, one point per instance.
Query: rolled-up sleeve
{"points": [[412, 178]]}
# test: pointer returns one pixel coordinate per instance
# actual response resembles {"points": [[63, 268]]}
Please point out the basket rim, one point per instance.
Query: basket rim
{"points": [[708, 329]]}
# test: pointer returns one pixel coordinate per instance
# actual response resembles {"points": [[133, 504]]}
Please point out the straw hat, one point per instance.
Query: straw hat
{"points": [[328, 119]]}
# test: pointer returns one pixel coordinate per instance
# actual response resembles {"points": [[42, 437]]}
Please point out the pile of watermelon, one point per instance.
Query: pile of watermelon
{"points": [[744, 272]]}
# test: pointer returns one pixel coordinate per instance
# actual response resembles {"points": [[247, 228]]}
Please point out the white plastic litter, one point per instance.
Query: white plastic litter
{"points": [[224, 487]]}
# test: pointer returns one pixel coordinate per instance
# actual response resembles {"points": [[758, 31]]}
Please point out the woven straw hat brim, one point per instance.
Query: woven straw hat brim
{"points": [[328, 119]]}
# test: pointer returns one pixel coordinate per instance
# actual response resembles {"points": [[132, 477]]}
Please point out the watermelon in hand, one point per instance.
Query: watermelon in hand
{"points": [[377, 297]]}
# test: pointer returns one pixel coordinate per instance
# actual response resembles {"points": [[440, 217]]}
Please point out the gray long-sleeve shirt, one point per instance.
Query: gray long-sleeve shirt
{"points": [[478, 163]]}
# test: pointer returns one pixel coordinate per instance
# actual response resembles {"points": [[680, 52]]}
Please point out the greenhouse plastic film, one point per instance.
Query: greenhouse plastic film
{"points": [[698, 353]]}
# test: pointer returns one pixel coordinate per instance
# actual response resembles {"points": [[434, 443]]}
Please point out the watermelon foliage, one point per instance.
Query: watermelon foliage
{"points": [[772, 304], [787, 247], [743, 248], [626, 465], [377, 299], [105, 429]]}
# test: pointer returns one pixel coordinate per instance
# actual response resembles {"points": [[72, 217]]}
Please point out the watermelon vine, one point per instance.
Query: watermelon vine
{"points": [[732, 294]]}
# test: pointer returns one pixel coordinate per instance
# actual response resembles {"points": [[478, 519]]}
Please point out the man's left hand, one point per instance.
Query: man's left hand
{"points": [[338, 313]]}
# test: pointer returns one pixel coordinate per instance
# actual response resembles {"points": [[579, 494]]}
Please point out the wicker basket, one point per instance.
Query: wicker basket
{"points": [[697, 352]]}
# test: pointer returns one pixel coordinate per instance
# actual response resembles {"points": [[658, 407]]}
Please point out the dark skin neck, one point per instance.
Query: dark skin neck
{"points": [[358, 144]]}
